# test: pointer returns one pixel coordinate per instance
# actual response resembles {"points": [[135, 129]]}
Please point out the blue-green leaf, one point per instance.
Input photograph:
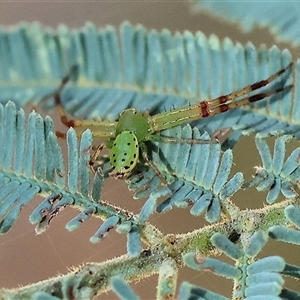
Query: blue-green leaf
{"points": [[281, 18], [276, 175]]}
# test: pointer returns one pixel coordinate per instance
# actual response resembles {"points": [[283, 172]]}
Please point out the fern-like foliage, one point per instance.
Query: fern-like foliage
{"points": [[276, 175], [282, 21], [200, 175], [152, 72], [32, 163]]}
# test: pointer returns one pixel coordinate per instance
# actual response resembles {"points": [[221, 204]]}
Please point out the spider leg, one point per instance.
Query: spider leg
{"points": [[247, 89], [219, 134], [63, 82], [172, 140], [95, 156], [100, 128], [58, 103], [244, 101], [220, 104], [152, 165]]}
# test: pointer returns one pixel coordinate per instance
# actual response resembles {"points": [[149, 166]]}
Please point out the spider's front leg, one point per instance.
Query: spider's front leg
{"points": [[221, 104]]}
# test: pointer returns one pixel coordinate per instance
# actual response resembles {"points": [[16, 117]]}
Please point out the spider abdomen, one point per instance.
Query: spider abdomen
{"points": [[124, 154]]}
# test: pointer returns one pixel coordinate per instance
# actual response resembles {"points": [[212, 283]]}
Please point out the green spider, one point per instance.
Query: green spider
{"points": [[126, 137]]}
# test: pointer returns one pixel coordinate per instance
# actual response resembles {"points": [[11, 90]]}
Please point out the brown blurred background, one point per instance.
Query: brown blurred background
{"points": [[26, 258]]}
